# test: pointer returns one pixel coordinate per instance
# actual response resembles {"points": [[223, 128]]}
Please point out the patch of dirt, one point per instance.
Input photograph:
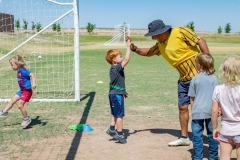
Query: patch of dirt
{"points": [[147, 138]]}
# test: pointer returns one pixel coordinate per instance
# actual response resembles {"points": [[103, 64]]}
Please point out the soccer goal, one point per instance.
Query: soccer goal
{"points": [[120, 33], [46, 33]]}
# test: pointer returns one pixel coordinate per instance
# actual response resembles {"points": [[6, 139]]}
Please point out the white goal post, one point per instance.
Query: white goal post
{"points": [[120, 33], [46, 33]]}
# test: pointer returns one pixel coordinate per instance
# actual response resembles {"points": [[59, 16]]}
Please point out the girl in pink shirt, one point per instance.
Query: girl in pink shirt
{"points": [[226, 97]]}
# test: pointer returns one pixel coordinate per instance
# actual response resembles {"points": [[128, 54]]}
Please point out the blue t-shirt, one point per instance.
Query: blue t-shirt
{"points": [[23, 76], [201, 88]]}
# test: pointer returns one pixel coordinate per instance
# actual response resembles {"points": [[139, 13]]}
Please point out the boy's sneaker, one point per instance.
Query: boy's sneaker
{"points": [[25, 123], [120, 138], [111, 132], [3, 115], [180, 142]]}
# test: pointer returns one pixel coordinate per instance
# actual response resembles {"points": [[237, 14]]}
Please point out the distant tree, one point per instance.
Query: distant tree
{"points": [[54, 27], [38, 26], [17, 24], [33, 25], [90, 27], [25, 24], [191, 25], [227, 28], [219, 30], [58, 27]]}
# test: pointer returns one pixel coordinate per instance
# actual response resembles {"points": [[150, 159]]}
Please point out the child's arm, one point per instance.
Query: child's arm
{"points": [[127, 56], [214, 119], [191, 101], [33, 80]]}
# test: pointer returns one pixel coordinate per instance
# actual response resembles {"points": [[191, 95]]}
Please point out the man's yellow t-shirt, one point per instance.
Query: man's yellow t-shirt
{"points": [[180, 50]]}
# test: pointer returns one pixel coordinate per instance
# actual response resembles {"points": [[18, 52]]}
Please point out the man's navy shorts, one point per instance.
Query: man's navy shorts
{"points": [[116, 105], [183, 98]]}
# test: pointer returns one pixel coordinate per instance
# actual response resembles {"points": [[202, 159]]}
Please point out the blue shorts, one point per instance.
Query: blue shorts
{"points": [[116, 105], [183, 98]]}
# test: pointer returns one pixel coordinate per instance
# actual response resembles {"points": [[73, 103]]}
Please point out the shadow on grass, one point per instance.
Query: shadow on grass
{"points": [[76, 140], [36, 121]]}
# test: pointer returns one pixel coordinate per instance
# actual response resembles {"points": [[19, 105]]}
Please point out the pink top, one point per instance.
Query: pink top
{"points": [[229, 100]]}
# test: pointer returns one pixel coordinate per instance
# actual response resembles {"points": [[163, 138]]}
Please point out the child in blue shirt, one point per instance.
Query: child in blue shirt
{"points": [[25, 93], [200, 92]]}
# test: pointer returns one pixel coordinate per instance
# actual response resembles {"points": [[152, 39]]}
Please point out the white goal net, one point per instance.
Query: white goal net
{"points": [[46, 32], [120, 33]]}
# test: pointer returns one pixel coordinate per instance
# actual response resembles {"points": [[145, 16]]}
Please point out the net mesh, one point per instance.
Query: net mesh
{"points": [[50, 54]]}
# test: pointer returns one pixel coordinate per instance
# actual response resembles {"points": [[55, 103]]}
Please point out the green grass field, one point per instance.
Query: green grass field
{"points": [[151, 82]]}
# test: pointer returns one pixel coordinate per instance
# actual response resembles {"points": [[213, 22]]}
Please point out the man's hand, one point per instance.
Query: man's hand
{"points": [[132, 44]]}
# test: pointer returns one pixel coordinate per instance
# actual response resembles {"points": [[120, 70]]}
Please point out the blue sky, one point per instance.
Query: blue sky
{"points": [[207, 15]]}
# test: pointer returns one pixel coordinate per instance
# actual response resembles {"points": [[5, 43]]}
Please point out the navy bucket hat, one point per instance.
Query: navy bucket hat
{"points": [[157, 27]]}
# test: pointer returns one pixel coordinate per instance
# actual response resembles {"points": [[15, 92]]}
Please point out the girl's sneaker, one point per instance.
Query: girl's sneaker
{"points": [[3, 114], [25, 123]]}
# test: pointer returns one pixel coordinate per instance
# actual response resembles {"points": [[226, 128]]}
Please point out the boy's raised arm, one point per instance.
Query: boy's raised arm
{"points": [[127, 56]]}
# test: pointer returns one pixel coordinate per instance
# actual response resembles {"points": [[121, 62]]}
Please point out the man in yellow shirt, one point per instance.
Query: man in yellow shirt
{"points": [[179, 47]]}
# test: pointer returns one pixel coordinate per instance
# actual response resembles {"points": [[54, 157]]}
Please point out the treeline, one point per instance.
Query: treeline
{"points": [[35, 26], [227, 28]]}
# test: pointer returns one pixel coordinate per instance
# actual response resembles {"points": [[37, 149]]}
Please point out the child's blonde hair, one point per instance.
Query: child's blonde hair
{"points": [[230, 70], [206, 61], [112, 53], [18, 60]]}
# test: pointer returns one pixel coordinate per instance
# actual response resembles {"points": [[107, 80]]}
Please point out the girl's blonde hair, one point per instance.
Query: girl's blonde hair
{"points": [[230, 70], [206, 61], [18, 60], [112, 54]]}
